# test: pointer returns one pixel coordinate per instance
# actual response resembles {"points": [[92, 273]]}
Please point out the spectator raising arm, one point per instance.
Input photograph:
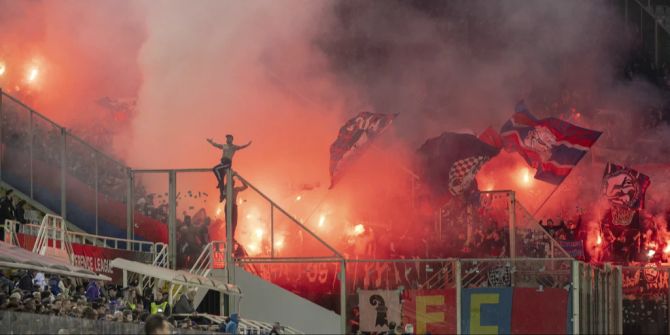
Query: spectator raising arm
{"points": [[239, 147], [217, 145]]}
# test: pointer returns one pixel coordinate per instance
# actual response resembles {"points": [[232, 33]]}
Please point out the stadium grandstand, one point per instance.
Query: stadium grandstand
{"points": [[514, 228]]}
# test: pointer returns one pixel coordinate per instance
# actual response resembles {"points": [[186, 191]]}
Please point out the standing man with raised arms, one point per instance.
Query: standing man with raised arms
{"points": [[229, 150]]}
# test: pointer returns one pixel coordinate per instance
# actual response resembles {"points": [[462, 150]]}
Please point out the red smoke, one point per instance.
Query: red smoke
{"points": [[208, 69]]}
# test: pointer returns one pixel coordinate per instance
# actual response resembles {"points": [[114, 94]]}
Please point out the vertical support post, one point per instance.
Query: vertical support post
{"points": [[668, 296], [343, 297], [512, 225], [601, 303], [2, 152], [30, 152], [468, 220], [459, 283], [575, 297], [619, 299], [172, 218], [230, 279], [125, 278], [656, 43], [63, 175], [641, 24], [272, 230], [593, 298], [412, 185], [130, 225], [440, 224], [625, 12], [607, 299], [605, 307], [96, 187], [60, 231]]}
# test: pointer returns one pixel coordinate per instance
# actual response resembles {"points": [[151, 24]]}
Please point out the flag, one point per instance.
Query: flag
{"points": [[354, 136], [379, 309], [624, 187], [491, 137], [450, 162], [552, 146]]}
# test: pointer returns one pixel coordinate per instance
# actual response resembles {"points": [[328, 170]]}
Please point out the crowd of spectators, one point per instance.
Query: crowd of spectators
{"points": [[37, 293], [154, 206]]}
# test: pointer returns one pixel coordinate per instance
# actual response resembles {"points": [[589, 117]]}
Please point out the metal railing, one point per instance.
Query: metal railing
{"points": [[9, 227], [32, 323], [201, 267], [52, 237], [644, 297], [95, 240], [592, 294], [524, 236], [52, 234], [274, 206], [654, 31], [161, 259]]}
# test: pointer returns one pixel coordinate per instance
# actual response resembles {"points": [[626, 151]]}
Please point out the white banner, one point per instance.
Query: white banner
{"points": [[379, 308]]}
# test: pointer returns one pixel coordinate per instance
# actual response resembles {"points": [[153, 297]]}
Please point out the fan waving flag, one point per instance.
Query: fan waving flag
{"points": [[552, 146], [354, 136], [624, 187], [450, 162]]}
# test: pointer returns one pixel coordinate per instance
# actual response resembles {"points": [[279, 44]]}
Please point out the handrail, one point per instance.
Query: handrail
{"points": [[394, 260], [436, 277], [17, 101], [170, 170], [534, 224], [9, 226], [275, 205], [201, 267], [161, 259], [36, 205], [98, 240], [53, 228], [647, 9]]}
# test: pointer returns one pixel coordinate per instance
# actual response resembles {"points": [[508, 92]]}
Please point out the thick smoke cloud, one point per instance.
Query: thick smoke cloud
{"points": [[453, 65], [462, 66], [84, 51], [287, 74], [213, 68]]}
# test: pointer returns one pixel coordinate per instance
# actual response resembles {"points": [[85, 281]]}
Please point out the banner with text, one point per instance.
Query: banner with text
{"points": [[430, 311], [95, 258]]}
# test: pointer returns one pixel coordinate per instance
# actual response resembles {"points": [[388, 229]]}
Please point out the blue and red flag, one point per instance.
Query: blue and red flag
{"points": [[355, 135], [552, 146]]}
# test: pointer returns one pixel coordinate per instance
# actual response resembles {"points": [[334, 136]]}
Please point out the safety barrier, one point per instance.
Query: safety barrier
{"points": [[521, 295], [29, 323], [85, 238]]}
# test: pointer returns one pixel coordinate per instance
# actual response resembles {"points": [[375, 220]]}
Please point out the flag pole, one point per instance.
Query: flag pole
{"points": [[400, 166], [547, 198], [552, 193]]}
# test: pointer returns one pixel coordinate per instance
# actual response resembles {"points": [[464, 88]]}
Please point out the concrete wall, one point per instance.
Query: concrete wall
{"points": [[264, 301]]}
